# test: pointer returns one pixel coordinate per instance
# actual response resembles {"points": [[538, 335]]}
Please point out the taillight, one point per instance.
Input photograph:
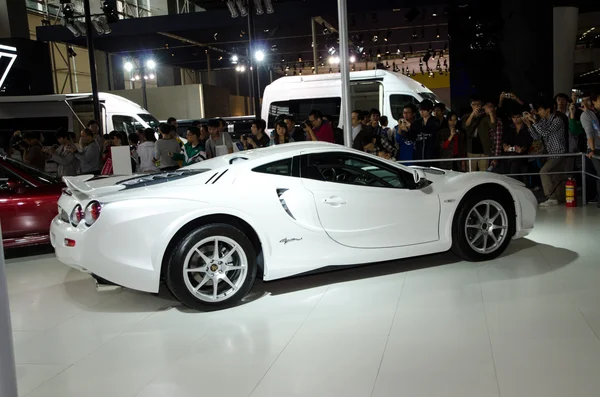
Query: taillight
{"points": [[76, 215], [92, 212]]}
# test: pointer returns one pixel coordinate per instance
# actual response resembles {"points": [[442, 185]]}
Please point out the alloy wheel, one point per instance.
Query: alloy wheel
{"points": [[215, 269], [486, 227]]}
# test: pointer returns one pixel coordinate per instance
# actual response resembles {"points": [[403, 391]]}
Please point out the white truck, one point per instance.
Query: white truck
{"points": [[379, 89]]}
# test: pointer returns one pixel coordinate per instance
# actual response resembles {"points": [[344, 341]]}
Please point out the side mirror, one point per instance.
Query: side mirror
{"points": [[419, 176]]}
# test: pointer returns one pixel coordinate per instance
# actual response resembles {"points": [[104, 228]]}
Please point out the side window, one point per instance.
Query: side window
{"points": [[300, 108], [281, 167], [124, 123], [397, 103], [339, 167]]}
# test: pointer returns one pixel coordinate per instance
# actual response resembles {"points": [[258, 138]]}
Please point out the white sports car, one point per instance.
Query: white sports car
{"points": [[210, 229]]}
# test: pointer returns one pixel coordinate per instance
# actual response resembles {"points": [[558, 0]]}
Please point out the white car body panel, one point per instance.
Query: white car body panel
{"points": [[128, 242]]}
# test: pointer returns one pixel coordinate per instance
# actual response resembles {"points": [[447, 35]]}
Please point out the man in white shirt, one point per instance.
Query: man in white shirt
{"points": [[589, 121], [356, 123]]}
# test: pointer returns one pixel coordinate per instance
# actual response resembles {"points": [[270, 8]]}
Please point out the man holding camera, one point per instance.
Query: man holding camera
{"points": [[318, 129], [484, 134], [258, 138]]}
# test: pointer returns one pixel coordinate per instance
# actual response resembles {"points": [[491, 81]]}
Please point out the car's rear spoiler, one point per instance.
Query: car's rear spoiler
{"points": [[79, 184]]}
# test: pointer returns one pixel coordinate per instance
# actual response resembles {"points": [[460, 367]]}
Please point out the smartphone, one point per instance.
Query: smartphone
{"points": [[526, 114], [512, 149], [507, 95]]}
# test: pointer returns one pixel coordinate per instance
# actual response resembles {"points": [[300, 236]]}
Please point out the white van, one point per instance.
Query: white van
{"points": [[72, 112], [379, 89]]}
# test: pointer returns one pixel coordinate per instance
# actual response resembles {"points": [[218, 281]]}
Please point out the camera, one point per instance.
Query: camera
{"points": [[507, 95], [306, 123]]}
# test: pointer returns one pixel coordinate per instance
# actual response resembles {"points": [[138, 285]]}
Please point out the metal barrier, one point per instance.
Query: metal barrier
{"points": [[582, 156]]}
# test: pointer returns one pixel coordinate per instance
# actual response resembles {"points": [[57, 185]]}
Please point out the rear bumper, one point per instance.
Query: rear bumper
{"points": [[91, 255]]}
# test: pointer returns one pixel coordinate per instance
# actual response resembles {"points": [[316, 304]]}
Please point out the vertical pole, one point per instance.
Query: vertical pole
{"points": [[208, 68], [75, 75], [584, 180], [69, 68], [251, 109], [253, 70], [345, 72], [54, 72], [144, 96], [8, 375], [108, 72], [92, 56], [314, 45], [271, 75]]}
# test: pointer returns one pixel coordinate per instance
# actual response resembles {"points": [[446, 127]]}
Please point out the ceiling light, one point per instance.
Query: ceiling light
{"points": [[150, 64], [259, 55], [128, 66]]}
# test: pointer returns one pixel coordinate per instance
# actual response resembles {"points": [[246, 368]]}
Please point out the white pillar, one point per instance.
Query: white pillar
{"points": [[564, 37]]}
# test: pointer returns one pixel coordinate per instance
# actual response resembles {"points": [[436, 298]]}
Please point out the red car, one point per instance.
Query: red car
{"points": [[28, 203]]}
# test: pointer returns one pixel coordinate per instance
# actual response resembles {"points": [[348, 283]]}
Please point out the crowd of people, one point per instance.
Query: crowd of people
{"points": [[508, 127]]}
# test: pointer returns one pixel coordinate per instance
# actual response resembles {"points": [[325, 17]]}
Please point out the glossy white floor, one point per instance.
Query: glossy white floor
{"points": [[527, 324]]}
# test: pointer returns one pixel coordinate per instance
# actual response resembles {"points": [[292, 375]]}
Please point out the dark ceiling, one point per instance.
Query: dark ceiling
{"points": [[285, 36]]}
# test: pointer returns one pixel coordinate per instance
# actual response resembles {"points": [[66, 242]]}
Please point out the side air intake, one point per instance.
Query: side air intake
{"points": [[283, 203]]}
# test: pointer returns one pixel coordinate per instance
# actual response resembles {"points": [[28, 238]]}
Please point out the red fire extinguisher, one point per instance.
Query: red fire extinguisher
{"points": [[571, 200]]}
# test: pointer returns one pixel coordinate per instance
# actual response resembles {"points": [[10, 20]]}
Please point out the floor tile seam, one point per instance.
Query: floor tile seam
{"points": [[571, 299], [91, 352], [47, 380], [172, 363], [387, 339], [288, 342], [487, 326]]}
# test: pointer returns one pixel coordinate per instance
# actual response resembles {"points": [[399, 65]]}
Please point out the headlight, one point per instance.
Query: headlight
{"points": [[76, 215], [92, 212]]}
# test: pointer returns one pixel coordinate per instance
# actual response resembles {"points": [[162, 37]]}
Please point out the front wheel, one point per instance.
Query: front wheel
{"points": [[483, 226], [212, 267]]}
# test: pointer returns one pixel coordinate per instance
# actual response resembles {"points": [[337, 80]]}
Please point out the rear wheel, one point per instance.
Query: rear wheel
{"points": [[212, 268], [483, 226]]}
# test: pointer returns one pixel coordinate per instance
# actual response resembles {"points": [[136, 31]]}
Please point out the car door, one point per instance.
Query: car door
{"points": [[363, 202]]}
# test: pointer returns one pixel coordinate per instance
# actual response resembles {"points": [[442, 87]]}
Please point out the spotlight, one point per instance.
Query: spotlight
{"points": [[150, 64], [101, 25], [259, 8], [352, 59], [437, 33], [234, 59], [331, 50], [232, 10], [128, 66], [259, 55], [137, 77], [108, 8], [242, 8], [269, 7], [71, 52], [388, 35], [151, 76]]}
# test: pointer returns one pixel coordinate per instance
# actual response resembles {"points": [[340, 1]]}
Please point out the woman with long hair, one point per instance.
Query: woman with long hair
{"points": [[281, 134]]}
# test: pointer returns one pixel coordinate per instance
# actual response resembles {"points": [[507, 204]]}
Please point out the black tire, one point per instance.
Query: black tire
{"points": [[175, 277], [460, 244]]}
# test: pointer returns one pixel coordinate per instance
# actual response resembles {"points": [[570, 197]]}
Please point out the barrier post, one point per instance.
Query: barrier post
{"points": [[583, 180], [8, 374]]}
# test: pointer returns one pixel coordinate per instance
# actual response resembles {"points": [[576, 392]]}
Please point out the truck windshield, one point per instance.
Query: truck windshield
{"points": [[148, 118]]}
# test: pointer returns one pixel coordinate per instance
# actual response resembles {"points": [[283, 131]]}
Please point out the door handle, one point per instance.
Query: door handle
{"points": [[334, 201]]}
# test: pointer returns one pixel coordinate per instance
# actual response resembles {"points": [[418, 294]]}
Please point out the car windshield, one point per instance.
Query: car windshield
{"points": [[431, 96], [43, 177], [148, 118]]}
